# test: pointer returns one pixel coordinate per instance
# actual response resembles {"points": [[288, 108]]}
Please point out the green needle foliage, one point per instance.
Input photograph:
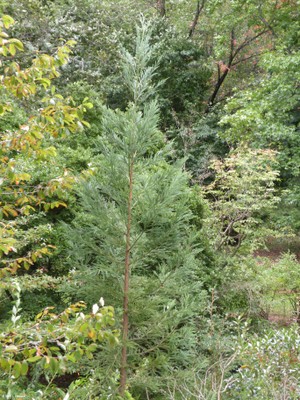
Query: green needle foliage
{"points": [[136, 210]]}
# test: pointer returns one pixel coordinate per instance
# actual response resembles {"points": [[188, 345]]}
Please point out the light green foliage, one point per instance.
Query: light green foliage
{"points": [[242, 193], [137, 72], [269, 366]]}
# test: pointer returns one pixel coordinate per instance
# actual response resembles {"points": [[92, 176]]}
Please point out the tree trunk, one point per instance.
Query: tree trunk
{"points": [[234, 52], [161, 7], [194, 23], [298, 310], [125, 325], [222, 74]]}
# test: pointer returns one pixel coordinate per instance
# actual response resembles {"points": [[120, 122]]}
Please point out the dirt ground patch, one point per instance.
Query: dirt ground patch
{"points": [[276, 247], [281, 320]]}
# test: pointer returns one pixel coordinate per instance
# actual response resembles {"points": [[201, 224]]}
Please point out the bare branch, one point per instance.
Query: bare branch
{"points": [[248, 41], [247, 58], [194, 23], [232, 56]]}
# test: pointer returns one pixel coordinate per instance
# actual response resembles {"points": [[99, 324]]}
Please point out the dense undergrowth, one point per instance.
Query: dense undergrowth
{"points": [[149, 198]]}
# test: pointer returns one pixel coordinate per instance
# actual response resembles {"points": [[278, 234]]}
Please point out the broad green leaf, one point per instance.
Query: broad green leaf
{"points": [[7, 21], [24, 368], [34, 359], [17, 369]]}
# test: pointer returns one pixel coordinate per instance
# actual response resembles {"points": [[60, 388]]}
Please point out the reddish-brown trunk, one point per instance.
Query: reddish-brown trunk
{"points": [[125, 325]]}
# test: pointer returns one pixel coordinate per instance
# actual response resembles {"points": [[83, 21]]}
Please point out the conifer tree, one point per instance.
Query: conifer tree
{"points": [[133, 239]]}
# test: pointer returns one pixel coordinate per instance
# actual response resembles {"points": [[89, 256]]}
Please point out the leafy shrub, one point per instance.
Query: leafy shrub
{"points": [[270, 366]]}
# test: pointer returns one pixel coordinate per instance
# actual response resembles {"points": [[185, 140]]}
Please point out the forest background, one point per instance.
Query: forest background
{"points": [[150, 195]]}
